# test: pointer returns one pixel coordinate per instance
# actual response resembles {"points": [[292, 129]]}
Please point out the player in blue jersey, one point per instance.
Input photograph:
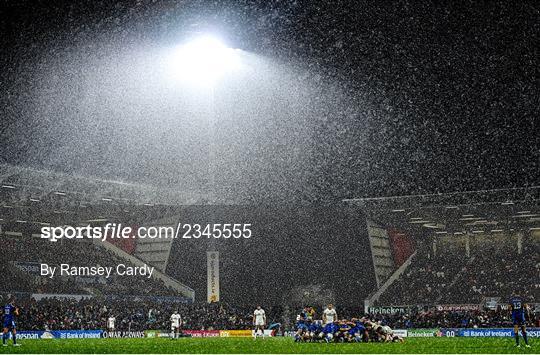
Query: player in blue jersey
{"points": [[358, 331], [10, 311], [315, 330], [518, 318], [330, 330], [343, 334], [302, 330]]}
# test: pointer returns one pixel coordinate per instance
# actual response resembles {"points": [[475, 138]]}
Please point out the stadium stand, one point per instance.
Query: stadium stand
{"points": [[493, 272], [453, 278], [423, 282], [23, 251], [10, 276]]}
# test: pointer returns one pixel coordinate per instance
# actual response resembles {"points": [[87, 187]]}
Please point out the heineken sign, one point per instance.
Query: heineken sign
{"points": [[423, 333], [389, 310]]}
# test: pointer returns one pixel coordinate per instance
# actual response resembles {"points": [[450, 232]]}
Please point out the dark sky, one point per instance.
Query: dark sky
{"points": [[434, 96]]}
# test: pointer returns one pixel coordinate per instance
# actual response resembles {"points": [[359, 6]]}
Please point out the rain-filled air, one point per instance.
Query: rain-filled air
{"points": [[279, 176]]}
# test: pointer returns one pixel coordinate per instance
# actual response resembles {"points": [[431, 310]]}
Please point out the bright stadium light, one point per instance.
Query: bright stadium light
{"points": [[203, 61]]}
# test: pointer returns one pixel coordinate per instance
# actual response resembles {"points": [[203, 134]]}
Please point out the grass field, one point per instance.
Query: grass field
{"points": [[272, 345]]}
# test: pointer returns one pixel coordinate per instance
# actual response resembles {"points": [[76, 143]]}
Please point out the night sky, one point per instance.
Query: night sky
{"points": [[412, 98]]}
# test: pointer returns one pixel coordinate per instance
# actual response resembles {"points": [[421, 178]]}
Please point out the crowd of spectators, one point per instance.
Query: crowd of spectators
{"points": [[424, 280], [495, 272], [10, 276], [92, 313], [455, 319], [451, 277]]}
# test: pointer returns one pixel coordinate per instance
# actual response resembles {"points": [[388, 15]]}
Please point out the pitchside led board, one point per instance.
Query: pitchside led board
{"points": [[213, 276]]}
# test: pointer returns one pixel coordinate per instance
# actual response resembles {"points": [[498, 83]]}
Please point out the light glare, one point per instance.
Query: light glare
{"points": [[203, 61]]}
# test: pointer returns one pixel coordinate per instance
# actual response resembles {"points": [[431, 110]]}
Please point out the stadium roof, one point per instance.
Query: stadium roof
{"points": [[31, 198], [478, 212]]}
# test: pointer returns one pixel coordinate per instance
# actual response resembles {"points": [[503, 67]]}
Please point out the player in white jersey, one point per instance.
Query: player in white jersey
{"points": [[259, 321], [176, 322], [110, 323], [329, 314], [386, 334]]}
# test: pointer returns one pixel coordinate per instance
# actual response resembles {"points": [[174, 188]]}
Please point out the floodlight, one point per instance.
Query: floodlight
{"points": [[203, 61]]}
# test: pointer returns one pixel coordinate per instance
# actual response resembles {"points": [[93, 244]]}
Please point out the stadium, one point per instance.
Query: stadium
{"points": [[269, 177]]}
